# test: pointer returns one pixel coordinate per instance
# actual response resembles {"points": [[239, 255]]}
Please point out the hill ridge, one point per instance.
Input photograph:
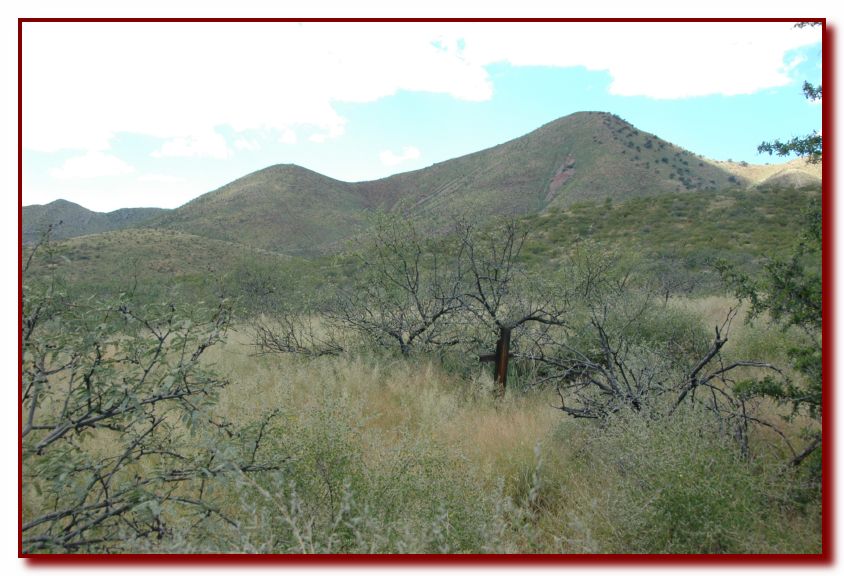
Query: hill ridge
{"points": [[588, 155]]}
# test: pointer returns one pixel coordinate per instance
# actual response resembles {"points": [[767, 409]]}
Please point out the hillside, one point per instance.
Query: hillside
{"points": [[679, 236], [797, 173], [69, 220], [165, 263]]}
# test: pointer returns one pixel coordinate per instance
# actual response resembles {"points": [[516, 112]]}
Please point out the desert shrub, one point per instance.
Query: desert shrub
{"points": [[678, 487]]}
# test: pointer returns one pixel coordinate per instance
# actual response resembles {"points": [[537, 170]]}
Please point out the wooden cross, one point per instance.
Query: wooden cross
{"points": [[501, 359]]}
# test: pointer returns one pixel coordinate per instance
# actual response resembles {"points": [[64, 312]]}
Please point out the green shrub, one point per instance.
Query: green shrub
{"points": [[680, 486]]}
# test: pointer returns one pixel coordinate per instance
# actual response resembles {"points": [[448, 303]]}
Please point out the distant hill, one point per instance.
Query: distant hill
{"points": [[797, 173], [167, 264], [677, 235], [69, 220]]}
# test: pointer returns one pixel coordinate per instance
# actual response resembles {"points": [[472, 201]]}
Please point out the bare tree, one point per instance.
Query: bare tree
{"points": [[407, 291], [296, 332], [601, 362], [623, 350], [498, 291]]}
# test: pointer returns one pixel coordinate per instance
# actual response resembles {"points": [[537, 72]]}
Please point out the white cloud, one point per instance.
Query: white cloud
{"points": [[246, 144], [163, 178], [86, 82], [91, 165], [390, 158], [204, 145], [288, 137], [334, 131], [656, 60]]}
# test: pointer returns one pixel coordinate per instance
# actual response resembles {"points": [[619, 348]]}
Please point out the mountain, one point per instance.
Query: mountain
{"points": [[587, 155], [69, 220]]}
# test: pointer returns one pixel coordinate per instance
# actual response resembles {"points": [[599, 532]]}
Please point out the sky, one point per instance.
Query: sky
{"points": [[154, 114]]}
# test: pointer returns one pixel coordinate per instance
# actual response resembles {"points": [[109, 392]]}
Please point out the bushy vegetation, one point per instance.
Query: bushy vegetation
{"points": [[350, 413]]}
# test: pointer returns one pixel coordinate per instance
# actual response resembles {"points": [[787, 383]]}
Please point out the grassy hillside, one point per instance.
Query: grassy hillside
{"points": [[679, 235], [69, 219], [282, 208], [765, 175]]}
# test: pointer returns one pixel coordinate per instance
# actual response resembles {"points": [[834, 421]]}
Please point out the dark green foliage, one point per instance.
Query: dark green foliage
{"points": [[790, 291], [809, 146]]}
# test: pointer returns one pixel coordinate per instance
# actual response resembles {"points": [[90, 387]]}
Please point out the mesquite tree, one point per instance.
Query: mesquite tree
{"points": [[407, 292], [119, 436]]}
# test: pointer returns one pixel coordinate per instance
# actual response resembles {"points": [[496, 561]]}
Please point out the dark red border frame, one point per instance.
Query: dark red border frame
{"points": [[825, 558]]}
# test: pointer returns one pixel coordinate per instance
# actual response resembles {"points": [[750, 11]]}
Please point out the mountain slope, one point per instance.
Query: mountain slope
{"points": [[69, 220], [587, 155], [677, 235]]}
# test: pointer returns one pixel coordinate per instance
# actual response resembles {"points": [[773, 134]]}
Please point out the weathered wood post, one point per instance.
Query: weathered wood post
{"points": [[501, 359]]}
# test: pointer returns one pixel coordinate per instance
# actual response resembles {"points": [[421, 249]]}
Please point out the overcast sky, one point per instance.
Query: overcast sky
{"points": [[140, 114]]}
